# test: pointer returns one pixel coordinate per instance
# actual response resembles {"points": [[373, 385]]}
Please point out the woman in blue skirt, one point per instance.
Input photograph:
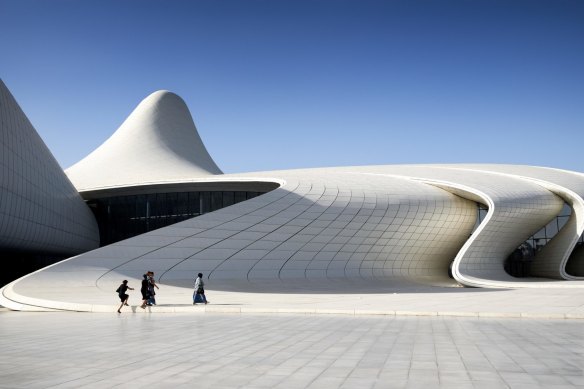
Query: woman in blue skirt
{"points": [[199, 293]]}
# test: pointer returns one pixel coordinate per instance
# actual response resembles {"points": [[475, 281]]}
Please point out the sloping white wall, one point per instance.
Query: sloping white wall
{"points": [[368, 222], [40, 210]]}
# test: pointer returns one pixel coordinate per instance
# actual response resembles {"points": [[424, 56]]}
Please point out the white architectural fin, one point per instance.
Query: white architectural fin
{"points": [[40, 210], [157, 143]]}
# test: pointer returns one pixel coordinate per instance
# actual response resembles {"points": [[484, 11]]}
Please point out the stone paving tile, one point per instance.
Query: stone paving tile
{"points": [[70, 350]]}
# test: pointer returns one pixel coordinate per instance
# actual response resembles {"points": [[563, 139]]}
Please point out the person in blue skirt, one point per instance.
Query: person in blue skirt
{"points": [[199, 293]]}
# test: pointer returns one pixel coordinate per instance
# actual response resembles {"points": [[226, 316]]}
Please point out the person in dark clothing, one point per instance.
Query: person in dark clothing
{"points": [[151, 286], [122, 293], [145, 290]]}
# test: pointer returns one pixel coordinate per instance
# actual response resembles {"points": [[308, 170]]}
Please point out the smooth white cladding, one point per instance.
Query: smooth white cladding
{"points": [[372, 222], [367, 222], [40, 210], [157, 143], [560, 258], [317, 226], [518, 207]]}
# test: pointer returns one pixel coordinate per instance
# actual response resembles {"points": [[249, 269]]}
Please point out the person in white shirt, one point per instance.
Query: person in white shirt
{"points": [[199, 293]]}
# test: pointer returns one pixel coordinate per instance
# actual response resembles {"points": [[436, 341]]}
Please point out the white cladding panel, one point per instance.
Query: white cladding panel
{"points": [[40, 210], [157, 143], [367, 222]]}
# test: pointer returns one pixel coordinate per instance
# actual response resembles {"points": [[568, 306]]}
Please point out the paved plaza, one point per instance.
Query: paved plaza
{"points": [[220, 350]]}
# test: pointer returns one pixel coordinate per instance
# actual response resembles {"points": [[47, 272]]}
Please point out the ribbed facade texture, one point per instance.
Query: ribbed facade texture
{"points": [[40, 210], [380, 223]]}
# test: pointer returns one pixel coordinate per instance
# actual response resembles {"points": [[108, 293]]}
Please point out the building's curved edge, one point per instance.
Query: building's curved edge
{"points": [[575, 264], [567, 241], [471, 193], [466, 279], [41, 210], [568, 185], [476, 195], [12, 300], [226, 178], [555, 254], [17, 302], [558, 250], [8, 299], [158, 139]]}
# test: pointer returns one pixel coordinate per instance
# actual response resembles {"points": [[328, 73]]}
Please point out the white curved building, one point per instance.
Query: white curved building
{"points": [[373, 223], [40, 210], [158, 142]]}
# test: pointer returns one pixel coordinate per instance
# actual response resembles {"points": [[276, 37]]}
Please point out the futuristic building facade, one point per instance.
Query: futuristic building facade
{"points": [[40, 210], [162, 204]]}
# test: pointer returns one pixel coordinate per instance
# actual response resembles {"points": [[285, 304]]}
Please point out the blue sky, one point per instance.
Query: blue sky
{"points": [[292, 84]]}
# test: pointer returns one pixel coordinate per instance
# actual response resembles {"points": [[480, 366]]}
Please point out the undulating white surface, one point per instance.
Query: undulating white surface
{"points": [[552, 260], [378, 224], [158, 142]]}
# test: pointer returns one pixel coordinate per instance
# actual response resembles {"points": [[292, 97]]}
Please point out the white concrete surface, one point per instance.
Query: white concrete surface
{"points": [[356, 297], [372, 223], [40, 210], [157, 142], [382, 225]]}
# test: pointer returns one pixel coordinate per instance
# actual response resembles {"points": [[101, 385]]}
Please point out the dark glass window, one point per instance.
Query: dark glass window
{"points": [[216, 200], [123, 217], [239, 197], [228, 199], [205, 202], [194, 205]]}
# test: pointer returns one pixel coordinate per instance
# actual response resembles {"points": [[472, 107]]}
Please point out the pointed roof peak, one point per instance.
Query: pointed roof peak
{"points": [[162, 94], [158, 142]]}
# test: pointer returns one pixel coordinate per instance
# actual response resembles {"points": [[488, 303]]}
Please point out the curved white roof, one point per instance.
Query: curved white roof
{"points": [[370, 222], [157, 143]]}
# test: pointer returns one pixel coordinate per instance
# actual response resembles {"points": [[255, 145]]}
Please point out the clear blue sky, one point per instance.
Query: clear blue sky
{"points": [[290, 84]]}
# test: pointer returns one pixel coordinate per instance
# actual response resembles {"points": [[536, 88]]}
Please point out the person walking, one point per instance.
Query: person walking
{"points": [[145, 292], [199, 293], [122, 293], [151, 286]]}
